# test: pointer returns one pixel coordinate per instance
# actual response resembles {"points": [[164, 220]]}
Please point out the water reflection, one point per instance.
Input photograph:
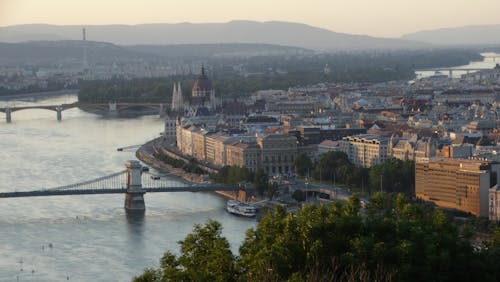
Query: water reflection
{"points": [[135, 218], [135, 225]]}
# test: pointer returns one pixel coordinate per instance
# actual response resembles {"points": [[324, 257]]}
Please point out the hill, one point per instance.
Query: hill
{"points": [[467, 35], [65, 51], [273, 32], [217, 50]]}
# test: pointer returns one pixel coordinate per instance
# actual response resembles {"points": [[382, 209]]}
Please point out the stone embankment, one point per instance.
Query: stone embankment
{"points": [[145, 154]]}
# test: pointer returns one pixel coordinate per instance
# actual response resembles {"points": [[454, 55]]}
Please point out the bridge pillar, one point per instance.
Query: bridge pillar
{"points": [[450, 73], [8, 115], [161, 112], [113, 107], [134, 197], [59, 113]]}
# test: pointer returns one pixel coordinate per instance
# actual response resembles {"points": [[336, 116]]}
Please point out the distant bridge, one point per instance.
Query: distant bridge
{"points": [[451, 70], [133, 182], [109, 107], [493, 57]]}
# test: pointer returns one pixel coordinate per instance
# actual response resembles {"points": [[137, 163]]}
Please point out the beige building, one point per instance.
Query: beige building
{"points": [[274, 153], [365, 149], [199, 150], [185, 139], [494, 205], [216, 148], [411, 148], [244, 155], [278, 153], [456, 183], [210, 141]]}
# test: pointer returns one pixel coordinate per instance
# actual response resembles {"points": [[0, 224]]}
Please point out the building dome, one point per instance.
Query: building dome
{"points": [[202, 86]]}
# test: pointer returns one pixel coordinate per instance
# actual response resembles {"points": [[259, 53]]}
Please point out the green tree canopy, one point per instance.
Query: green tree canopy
{"points": [[302, 164], [389, 240], [205, 256], [396, 176]]}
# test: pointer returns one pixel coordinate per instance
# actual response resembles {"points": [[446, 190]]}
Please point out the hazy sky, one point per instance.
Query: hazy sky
{"points": [[388, 18]]}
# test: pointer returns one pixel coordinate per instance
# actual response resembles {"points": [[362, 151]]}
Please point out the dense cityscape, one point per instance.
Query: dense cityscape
{"points": [[248, 151]]}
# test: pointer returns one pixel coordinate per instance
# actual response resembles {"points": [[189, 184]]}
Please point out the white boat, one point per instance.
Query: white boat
{"points": [[241, 208]]}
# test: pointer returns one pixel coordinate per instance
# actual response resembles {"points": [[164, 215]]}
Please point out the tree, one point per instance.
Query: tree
{"points": [[299, 195], [302, 164], [391, 240], [396, 176], [334, 165], [261, 183], [205, 256], [233, 175]]}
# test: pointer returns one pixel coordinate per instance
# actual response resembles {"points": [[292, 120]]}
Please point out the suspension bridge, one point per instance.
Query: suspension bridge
{"points": [[133, 182]]}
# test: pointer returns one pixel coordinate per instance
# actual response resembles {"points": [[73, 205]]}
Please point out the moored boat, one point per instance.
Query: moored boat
{"points": [[241, 208]]}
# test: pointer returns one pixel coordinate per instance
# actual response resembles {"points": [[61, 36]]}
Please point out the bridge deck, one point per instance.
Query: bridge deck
{"points": [[43, 193], [453, 69]]}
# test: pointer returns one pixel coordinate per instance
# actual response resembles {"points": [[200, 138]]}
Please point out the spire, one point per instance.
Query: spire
{"points": [[179, 89], [174, 98]]}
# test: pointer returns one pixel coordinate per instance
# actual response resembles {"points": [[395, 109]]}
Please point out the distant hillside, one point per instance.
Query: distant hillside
{"points": [[468, 35], [50, 52], [217, 50], [276, 33]]}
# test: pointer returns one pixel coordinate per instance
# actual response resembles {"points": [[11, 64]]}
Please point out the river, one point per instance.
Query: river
{"points": [[489, 61], [87, 238]]}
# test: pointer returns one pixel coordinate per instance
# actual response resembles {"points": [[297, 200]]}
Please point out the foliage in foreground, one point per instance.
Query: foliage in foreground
{"points": [[392, 240]]}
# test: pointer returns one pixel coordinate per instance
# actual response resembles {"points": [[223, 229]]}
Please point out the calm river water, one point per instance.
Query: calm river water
{"points": [[87, 238]]}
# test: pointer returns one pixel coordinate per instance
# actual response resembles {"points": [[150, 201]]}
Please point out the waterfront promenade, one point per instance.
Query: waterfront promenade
{"points": [[145, 154]]}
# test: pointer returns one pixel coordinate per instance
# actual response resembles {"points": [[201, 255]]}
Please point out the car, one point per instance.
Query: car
{"points": [[155, 177]]}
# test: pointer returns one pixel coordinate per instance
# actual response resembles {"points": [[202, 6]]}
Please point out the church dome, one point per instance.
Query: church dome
{"points": [[202, 86]]}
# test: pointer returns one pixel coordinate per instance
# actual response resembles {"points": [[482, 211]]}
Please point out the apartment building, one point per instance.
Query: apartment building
{"points": [[365, 149]]}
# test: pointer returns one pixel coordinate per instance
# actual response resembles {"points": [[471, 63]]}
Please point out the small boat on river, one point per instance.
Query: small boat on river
{"points": [[241, 208]]}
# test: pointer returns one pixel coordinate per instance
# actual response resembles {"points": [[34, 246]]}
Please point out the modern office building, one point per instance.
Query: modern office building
{"points": [[460, 184]]}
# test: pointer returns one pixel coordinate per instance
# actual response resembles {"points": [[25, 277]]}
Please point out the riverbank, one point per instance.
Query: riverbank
{"points": [[39, 95], [145, 154]]}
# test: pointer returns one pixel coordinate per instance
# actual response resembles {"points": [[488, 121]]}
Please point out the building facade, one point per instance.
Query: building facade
{"points": [[278, 153], [170, 131], [274, 153], [459, 184], [494, 205], [365, 150], [244, 155]]}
